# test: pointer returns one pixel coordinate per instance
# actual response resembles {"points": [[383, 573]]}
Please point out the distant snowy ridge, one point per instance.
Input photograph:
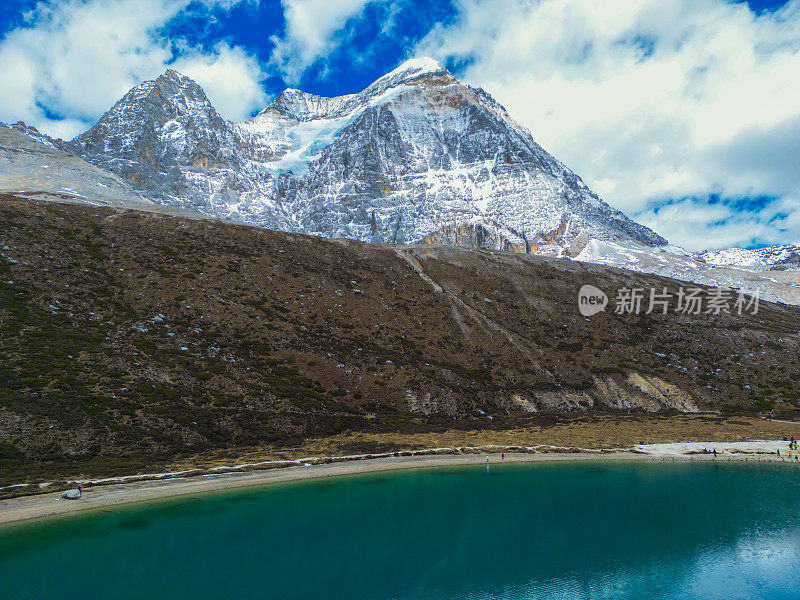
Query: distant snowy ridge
{"points": [[775, 283], [303, 106], [772, 257]]}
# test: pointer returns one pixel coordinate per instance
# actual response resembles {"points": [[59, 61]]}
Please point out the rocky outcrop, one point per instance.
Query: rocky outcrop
{"points": [[632, 391]]}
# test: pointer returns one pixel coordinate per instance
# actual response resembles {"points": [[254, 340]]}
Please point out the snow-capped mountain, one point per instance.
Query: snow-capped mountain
{"points": [[168, 141], [415, 157]]}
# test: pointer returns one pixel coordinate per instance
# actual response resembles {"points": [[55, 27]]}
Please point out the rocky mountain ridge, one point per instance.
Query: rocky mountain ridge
{"points": [[33, 166], [773, 276]]}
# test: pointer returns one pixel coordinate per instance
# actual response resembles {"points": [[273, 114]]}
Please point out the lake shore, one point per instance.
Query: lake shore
{"points": [[106, 493]]}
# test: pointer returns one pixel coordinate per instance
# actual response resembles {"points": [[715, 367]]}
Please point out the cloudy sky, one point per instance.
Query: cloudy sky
{"points": [[685, 114]]}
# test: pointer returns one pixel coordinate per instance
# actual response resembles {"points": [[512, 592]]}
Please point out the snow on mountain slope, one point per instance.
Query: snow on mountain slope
{"points": [[415, 157], [302, 106]]}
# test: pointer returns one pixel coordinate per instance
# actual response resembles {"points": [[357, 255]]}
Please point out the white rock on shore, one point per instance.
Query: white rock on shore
{"points": [[747, 447]]}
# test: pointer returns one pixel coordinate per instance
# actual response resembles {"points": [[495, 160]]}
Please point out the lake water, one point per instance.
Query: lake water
{"points": [[575, 530]]}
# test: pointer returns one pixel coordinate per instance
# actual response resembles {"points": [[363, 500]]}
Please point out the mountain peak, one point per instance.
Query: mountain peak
{"points": [[304, 106], [156, 126], [414, 68], [172, 95], [411, 70], [172, 79], [168, 87]]}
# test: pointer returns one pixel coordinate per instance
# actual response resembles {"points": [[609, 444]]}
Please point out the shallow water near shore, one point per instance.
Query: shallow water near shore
{"points": [[576, 530]]}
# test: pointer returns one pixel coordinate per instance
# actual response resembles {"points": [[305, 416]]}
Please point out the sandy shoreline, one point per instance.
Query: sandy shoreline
{"points": [[117, 494]]}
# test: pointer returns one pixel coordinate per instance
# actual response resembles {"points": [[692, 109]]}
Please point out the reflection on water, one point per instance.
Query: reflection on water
{"points": [[616, 530]]}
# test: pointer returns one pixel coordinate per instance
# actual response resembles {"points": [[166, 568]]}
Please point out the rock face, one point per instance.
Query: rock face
{"points": [[166, 139], [415, 157]]}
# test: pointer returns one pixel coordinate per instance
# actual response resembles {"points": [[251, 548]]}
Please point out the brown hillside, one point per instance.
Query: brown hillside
{"points": [[131, 339]]}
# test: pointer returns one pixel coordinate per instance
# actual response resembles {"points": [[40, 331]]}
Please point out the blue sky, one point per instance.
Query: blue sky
{"points": [[685, 114], [378, 38]]}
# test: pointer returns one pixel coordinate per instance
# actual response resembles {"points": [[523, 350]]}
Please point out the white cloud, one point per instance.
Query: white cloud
{"points": [[76, 58], [311, 28], [702, 225], [647, 100]]}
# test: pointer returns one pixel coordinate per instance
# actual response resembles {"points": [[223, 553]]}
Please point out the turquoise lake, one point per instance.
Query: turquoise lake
{"points": [[567, 530]]}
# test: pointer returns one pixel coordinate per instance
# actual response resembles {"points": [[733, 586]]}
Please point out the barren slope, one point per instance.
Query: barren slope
{"points": [[130, 339]]}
